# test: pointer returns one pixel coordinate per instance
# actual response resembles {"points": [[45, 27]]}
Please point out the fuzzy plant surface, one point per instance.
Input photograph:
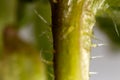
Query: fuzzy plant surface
{"points": [[72, 24]]}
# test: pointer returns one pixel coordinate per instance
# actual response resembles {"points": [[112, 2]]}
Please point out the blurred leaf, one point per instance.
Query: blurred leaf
{"points": [[108, 20], [21, 12], [20, 59], [7, 15]]}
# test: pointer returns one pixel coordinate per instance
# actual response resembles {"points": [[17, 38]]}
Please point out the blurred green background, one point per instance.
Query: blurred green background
{"points": [[31, 28]]}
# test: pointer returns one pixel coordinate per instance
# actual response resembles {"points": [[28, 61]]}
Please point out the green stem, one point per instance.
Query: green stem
{"points": [[72, 23]]}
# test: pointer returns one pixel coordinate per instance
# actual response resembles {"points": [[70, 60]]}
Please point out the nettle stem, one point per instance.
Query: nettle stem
{"points": [[72, 23]]}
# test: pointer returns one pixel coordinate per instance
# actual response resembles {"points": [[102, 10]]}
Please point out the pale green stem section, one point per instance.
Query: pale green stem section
{"points": [[86, 25], [72, 23]]}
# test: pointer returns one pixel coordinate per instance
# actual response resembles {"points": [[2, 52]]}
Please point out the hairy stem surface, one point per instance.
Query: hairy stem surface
{"points": [[72, 23]]}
